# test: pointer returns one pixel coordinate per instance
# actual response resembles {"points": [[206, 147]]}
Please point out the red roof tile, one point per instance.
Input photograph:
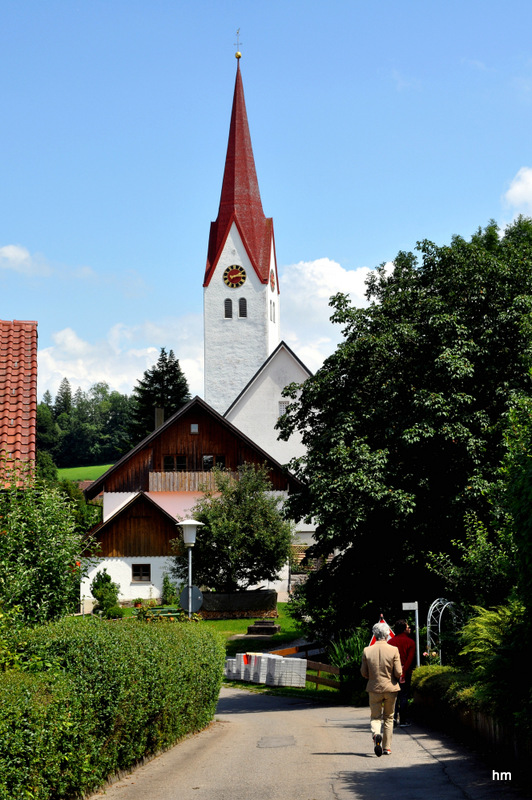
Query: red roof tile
{"points": [[18, 389], [240, 198]]}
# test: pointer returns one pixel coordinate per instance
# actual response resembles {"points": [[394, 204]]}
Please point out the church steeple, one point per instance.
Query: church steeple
{"points": [[240, 200], [241, 290]]}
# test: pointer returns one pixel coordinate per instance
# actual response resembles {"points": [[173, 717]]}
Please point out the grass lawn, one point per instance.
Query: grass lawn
{"points": [[233, 627], [82, 473]]}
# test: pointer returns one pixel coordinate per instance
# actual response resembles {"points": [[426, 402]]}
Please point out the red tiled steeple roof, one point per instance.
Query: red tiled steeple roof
{"points": [[240, 198], [18, 389]]}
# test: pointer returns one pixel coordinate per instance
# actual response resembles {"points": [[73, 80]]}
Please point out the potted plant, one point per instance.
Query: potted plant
{"points": [[137, 602]]}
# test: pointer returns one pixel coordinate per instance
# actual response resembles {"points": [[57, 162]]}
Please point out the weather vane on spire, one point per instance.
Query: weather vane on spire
{"points": [[238, 54]]}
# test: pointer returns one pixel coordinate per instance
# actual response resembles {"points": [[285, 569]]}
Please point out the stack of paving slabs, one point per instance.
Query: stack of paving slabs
{"points": [[266, 668]]}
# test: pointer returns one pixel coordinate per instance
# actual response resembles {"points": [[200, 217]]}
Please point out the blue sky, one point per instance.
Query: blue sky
{"points": [[373, 126]]}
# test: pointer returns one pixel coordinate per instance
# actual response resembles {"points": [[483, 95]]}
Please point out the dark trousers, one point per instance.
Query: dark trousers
{"points": [[401, 704]]}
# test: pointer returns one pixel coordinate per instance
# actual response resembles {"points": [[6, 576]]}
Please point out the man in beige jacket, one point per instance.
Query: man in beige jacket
{"points": [[381, 665]]}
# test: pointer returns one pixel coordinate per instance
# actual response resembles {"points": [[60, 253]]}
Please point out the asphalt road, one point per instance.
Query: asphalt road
{"points": [[262, 747]]}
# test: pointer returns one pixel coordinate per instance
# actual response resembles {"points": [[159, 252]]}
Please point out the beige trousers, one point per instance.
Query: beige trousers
{"points": [[381, 707]]}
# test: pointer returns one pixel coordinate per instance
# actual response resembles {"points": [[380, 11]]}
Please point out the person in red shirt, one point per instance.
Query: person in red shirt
{"points": [[407, 651]]}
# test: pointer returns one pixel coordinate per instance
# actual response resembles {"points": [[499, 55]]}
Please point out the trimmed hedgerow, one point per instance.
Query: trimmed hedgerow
{"points": [[114, 693]]}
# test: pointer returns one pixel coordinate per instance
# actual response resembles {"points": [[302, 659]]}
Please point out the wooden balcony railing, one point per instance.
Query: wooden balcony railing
{"points": [[182, 481]]}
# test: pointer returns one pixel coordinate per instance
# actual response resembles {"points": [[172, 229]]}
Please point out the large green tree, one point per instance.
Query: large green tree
{"points": [[404, 423], [162, 386], [245, 539]]}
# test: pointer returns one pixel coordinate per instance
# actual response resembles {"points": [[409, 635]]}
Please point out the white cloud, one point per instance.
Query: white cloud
{"points": [[18, 259], [121, 358], [306, 288], [519, 194], [402, 82], [126, 351]]}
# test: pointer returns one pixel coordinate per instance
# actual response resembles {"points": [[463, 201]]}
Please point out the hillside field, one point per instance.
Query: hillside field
{"points": [[82, 473]]}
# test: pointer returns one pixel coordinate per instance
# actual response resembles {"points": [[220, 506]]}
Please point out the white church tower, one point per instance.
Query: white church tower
{"points": [[241, 290]]}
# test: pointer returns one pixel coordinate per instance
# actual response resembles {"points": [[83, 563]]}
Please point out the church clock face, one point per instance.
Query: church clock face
{"points": [[272, 280], [234, 276]]}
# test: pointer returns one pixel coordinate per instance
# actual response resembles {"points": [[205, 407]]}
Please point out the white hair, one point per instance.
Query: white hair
{"points": [[381, 630]]}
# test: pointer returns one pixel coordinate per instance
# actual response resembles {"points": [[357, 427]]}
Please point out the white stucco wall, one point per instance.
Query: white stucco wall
{"points": [[235, 348], [112, 501], [257, 411], [120, 570]]}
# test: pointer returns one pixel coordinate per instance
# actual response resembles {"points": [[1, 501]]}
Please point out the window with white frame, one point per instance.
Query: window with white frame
{"points": [[283, 405]]}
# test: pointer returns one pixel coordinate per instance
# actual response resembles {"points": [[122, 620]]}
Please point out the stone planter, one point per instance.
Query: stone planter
{"points": [[260, 603]]}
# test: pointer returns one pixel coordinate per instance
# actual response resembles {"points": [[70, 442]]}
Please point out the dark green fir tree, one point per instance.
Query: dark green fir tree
{"points": [[164, 387]]}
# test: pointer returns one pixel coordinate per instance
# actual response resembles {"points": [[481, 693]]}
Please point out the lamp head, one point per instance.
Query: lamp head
{"points": [[189, 527]]}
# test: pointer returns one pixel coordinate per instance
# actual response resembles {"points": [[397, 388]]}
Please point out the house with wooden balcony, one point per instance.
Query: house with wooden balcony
{"points": [[157, 483]]}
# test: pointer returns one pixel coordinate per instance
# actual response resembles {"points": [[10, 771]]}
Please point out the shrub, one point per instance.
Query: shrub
{"points": [[105, 592], [495, 647], [40, 547], [347, 650], [117, 692], [170, 591], [42, 727], [446, 686]]}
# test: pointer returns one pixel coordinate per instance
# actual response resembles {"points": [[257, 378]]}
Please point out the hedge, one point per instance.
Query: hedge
{"points": [[446, 686], [107, 695]]}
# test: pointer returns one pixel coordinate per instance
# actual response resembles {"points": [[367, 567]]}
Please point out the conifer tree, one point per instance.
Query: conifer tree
{"points": [[163, 386]]}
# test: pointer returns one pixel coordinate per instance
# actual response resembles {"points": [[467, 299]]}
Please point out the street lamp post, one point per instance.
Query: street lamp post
{"points": [[189, 527]]}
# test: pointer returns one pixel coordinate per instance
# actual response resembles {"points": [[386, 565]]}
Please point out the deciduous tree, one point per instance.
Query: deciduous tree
{"points": [[245, 539], [404, 423]]}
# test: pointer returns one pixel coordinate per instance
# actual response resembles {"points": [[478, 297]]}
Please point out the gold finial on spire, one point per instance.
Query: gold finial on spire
{"points": [[238, 54]]}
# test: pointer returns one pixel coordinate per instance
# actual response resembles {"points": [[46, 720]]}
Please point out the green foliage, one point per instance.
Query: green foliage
{"points": [[86, 514], [11, 622], [446, 686], [100, 425], [105, 592], [118, 692], [404, 424], [517, 493], [347, 650], [244, 540], [162, 386], [498, 653], [169, 592], [485, 572], [41, 548], [84, 428], [45, 468]]}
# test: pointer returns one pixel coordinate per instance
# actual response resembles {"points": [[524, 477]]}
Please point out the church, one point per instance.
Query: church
{"points": [[247, 366]]}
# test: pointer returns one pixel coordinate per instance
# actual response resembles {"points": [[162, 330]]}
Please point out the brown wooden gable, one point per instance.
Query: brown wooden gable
{"points": [[140, 529], [215, 437]]}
